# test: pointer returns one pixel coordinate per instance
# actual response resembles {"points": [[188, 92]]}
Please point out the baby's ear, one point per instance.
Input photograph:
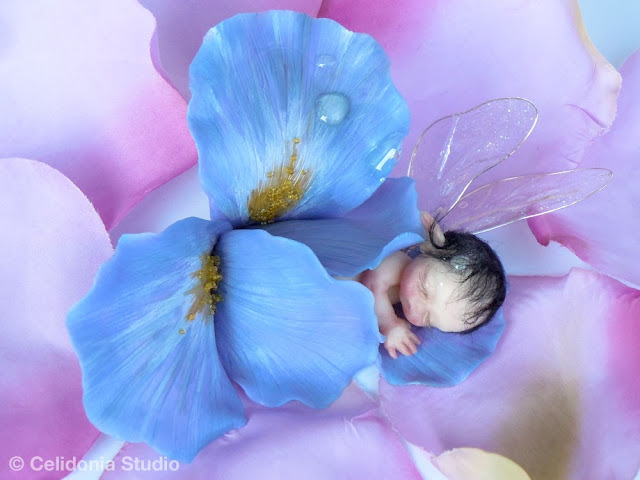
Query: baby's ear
{"points": [[438, 235]]}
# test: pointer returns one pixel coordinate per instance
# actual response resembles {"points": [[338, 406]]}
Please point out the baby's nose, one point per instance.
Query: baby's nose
{"points": [[409, 309], [406, 307]]}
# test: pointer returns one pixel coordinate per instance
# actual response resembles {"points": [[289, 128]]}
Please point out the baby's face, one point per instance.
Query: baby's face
{"points": [[429, 296]]}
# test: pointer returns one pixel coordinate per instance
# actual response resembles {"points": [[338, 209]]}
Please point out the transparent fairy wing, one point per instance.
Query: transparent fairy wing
{"points": [[454, 150], [511, 199]]}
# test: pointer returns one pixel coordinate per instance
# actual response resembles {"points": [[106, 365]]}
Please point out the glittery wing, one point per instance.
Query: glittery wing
{"points": [[454, 150], [511, 199]]}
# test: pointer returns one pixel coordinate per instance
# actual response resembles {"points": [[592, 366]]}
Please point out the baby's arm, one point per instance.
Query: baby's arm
{"points": [[380, 281]]}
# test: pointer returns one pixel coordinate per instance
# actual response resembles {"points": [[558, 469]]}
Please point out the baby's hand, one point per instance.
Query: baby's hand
{"points": [[401, 339]]}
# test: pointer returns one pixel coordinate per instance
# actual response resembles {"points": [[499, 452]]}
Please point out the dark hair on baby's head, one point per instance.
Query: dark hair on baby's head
{"points": [[483, 279]]}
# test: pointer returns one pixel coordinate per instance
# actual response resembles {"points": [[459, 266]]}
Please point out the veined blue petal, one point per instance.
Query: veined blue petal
{"points": [[443, 359], [361, 239], [262, 80], [144, 379], [286, 330]]}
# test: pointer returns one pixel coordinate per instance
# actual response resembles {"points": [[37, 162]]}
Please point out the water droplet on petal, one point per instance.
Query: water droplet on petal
{"points": [[325, 61], [391, 154], [332, 108]]}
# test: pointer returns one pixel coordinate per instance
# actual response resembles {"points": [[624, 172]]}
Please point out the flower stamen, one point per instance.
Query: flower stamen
{"points": [[281, 192], [205, 291]]}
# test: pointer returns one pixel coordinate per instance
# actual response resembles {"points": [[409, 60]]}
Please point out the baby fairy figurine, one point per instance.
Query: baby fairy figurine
{"points": [[455, 284]]}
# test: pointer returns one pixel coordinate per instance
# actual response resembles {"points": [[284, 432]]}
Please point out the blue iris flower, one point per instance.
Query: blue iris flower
{"points": [[297, 125], [294, 118]]}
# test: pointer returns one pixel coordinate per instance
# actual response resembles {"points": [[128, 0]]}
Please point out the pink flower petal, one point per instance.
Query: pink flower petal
{"points": [[467, 463], [347, 440], [560, 396], [81, 94], [448, 56], [51, 245], [603, 230], [180, 29]]}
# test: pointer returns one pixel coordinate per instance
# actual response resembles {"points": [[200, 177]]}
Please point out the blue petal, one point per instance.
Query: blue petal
{"points": [[386, 223], [286, 330], [443, 359], [261, 80], [144, 380]]}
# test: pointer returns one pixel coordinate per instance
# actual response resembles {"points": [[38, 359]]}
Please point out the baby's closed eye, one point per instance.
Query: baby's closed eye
{"points": [[423, 289], [422, 283]]}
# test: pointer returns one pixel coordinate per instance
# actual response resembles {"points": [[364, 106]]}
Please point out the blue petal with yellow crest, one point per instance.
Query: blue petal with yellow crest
{"points": [[294, 108], [148, 373]]}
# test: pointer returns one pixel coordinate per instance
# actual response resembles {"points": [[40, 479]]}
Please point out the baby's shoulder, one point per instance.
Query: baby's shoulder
{"points": [[387, 274]]}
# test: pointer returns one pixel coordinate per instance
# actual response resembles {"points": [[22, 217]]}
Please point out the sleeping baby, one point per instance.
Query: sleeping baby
{"points": [[453, 281]]}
